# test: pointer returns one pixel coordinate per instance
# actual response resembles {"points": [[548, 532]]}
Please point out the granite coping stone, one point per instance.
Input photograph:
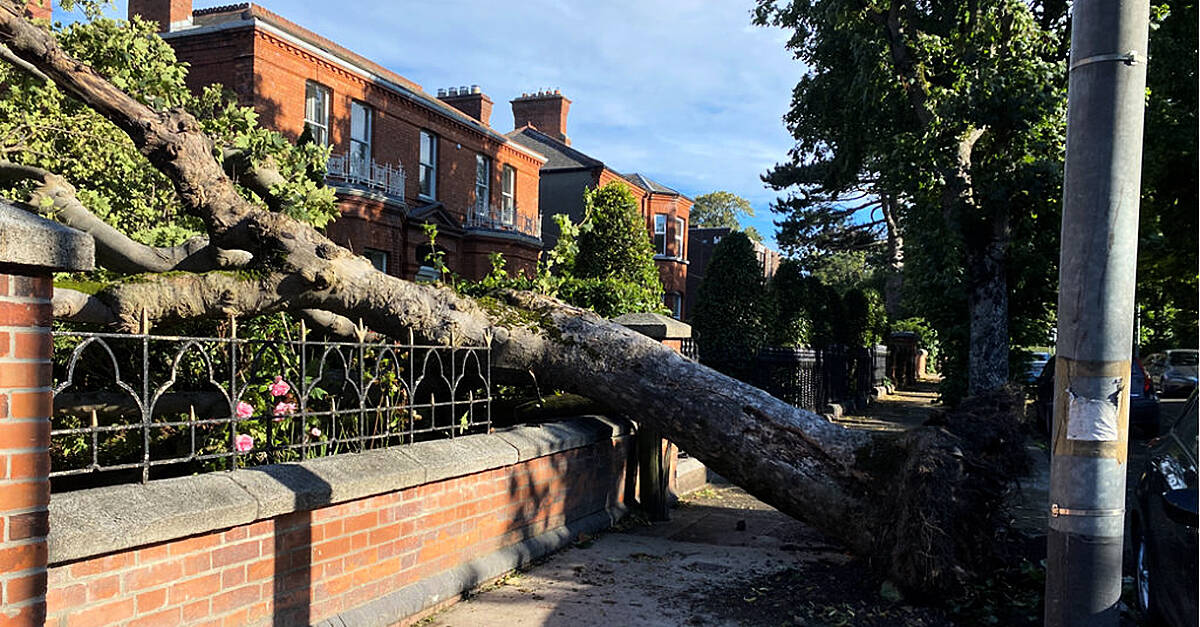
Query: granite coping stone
{"points": [[29, 240], [538, 440], [102, 520], [92, 522], [656, 326]]}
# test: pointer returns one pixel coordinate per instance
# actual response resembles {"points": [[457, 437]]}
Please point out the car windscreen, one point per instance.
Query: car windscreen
{"points": [[1184, 358]]}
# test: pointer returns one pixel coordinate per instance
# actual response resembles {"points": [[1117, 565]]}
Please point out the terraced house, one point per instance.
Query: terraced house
{"points": [[400, 156], [541, 126]]}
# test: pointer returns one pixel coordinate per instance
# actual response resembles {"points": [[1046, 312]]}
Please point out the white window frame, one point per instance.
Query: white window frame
{"points": [[378, 258], [316, 116], [483, 184], [660, 234], [508, 194], [360, 147], [679, 231], [675, 304], [427, 175]]}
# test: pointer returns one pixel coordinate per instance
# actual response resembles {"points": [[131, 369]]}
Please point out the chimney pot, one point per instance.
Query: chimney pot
{"points": [[544, 110], [471, 101]]}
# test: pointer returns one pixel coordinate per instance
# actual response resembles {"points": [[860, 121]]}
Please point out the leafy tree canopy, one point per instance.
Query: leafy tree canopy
{"points": [[1167, 279], [721, 209], [952, 111], [43, 127]]}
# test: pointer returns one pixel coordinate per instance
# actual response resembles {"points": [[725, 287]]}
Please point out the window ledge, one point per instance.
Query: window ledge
{"points": [[671, 258]]}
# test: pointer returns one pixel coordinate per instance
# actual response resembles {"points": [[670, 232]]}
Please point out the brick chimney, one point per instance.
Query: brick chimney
{"points": [[470, 101], [170, 14], [38, 9], [546, 111]]}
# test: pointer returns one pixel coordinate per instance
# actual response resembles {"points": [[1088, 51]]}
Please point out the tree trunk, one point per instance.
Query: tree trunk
{"points": [[893, 286], [987, 299], [917, 503]]}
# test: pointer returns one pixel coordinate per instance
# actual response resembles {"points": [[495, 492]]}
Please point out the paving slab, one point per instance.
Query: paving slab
{"points": [[651, 574]]}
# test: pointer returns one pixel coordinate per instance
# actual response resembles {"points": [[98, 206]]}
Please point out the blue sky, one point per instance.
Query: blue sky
{"points": [[686, 92]]}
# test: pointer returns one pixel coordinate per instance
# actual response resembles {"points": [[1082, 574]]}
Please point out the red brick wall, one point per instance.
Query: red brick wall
{"points": [[308, 566], [24, 441]]}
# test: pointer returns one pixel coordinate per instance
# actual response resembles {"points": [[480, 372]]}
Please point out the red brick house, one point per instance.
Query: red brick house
{"points": [[541, 121], [702, 241], [401, 157]]}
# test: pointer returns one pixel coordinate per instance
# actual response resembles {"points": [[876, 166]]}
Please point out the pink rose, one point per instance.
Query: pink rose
{"points": [[279, 387], [283, 409], [244, 410], [316, 433], [243, 443]]}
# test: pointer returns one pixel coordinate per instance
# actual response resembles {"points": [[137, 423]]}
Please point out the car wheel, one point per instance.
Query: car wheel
{"points": [[1143, 581]]}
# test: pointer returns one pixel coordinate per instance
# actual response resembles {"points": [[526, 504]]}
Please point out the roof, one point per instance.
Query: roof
{"points": [[559, 156], [645, 183], [248, 14]]}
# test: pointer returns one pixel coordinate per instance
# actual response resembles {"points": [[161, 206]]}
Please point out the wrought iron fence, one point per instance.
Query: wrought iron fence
{"points": [[805, 377], [689, 348], [135, 407]]}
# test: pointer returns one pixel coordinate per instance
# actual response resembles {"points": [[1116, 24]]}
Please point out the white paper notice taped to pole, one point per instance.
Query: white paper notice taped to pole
{"points": [[1093, 419]]}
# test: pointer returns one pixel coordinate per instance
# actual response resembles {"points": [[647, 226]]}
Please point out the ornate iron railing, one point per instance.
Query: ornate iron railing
{"points": [[805, 377], [135, 407], [367, 173], [506, 220]]}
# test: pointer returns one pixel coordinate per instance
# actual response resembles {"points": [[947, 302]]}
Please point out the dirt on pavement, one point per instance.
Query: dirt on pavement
{"points": [[726, 558]]}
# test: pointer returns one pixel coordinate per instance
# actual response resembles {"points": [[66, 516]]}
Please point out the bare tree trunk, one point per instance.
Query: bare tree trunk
{"points": [[893, 287], [987, 299]]}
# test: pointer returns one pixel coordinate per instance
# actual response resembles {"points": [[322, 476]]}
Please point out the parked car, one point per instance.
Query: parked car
{"points": [[1163, 526], [1143, 403], [1174, 371]]}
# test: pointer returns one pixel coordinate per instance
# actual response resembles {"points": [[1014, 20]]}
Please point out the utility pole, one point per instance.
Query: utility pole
{"points": [[1102, 184]]}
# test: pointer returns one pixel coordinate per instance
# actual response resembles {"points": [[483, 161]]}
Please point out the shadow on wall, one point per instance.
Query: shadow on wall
{"points": [[293, 544]]}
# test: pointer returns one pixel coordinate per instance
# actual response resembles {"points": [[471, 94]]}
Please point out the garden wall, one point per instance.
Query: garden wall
{"points": [[367, 538]]}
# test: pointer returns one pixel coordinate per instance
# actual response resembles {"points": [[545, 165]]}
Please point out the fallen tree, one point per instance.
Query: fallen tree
{"points": [[911, 502]]}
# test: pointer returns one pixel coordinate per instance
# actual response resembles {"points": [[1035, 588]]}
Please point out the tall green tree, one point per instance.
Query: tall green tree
{"points": [[721, 208], [1167, 248], [610, 265], [730, 307], [954, 112], [724, 209]]}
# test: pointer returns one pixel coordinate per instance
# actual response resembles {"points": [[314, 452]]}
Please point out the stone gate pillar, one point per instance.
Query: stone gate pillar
{"points": [[31, 249], [657, 458]]}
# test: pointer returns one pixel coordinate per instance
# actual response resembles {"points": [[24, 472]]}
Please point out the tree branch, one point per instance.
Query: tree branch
{"points": [[340, 327], [7, 55], [260, 179], [73, 306], [55, 198]]}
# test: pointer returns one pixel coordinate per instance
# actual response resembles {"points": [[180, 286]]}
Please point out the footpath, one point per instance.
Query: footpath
{"points": [[724, 558]]}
